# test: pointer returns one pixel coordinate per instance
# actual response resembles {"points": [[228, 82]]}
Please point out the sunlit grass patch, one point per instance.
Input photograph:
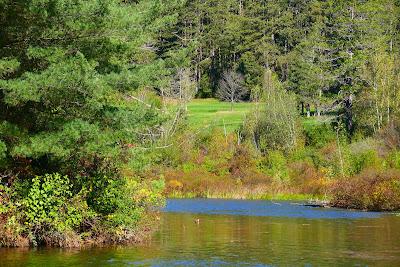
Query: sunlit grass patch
{"points": [[214, 113], [211, 113]]}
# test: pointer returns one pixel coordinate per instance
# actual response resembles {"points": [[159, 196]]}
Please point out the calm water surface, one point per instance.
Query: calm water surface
{"points": [[243, 233]]}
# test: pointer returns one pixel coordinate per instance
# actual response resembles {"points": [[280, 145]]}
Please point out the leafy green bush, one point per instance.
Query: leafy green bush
{"points": [[105, 194], [218, 165], [47, 195], [131, 198], [10, 216], [275, 165], [3, 150], [122, 211], [307, 154], [319, 135], [366, 159], [50, 213], [394, 159], [45, 212], [188, 167]]}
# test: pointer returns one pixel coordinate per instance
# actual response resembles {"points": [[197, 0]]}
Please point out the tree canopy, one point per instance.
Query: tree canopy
{"points": [[68, 72], [318, 49], [77, 87]]}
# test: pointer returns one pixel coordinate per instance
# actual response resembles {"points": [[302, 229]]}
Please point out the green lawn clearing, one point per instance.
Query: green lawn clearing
{"points": [[214, 113], [209, 113]]}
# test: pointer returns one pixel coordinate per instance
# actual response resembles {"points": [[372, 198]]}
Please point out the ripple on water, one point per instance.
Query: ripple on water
{"points": [[194, 262], [262, 208]]}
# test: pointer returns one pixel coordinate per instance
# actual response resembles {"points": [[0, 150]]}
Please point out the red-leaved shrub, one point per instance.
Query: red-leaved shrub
{"points": [[370, 190]]}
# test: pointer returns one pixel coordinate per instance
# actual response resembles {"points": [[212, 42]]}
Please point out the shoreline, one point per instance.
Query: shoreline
{"points": [[277, 197], [76, 241], [313, 201]]}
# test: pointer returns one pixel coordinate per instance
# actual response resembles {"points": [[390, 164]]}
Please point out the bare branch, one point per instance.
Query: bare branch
{"points": [[231, 87]]}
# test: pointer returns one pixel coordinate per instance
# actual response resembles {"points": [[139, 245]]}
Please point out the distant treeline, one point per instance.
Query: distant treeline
{"points": [[324, 51]]}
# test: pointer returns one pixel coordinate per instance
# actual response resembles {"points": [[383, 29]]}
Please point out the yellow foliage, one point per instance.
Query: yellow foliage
{"points": [[175, 184]]}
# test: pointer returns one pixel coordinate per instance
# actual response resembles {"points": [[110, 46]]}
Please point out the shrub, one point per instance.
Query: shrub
{"points": [[370, 190], [46, 212], [241, 161], [362, 155], [10, 227], [391, 135], [124, 202], [319, 135], [310, 155], [275, 125], [275, 166], [307, 179], [394, 159], [3, 150], [49, 212], [217, 166], [46, 197], [182, 151], [105, 194], [330, 159], [220, 146], [367, 159]]}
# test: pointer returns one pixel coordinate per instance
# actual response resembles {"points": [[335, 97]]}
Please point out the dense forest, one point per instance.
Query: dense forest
{"points": [[324, 51], [94, 113]]}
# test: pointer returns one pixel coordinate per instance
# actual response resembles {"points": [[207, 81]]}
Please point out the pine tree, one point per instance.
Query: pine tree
{"points": [[70, 76]]}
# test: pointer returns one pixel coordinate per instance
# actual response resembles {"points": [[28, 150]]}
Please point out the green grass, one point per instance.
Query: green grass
{"points": [[312, 122], [213, 113], [209, 113]]}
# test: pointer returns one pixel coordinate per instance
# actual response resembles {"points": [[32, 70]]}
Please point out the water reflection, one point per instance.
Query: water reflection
{"points": [[237, 240]]}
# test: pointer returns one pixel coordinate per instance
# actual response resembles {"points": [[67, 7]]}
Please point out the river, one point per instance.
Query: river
{"points": [[199, 232]]}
